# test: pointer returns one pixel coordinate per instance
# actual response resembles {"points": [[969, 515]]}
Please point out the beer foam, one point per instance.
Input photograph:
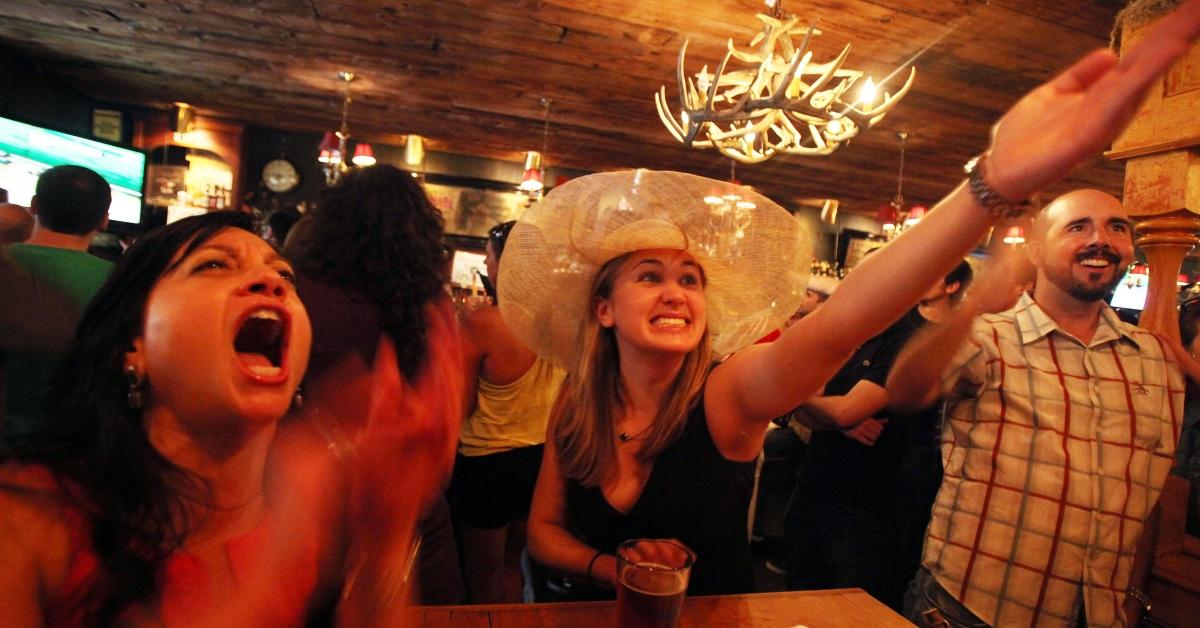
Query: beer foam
{"points": [[653, 579]]}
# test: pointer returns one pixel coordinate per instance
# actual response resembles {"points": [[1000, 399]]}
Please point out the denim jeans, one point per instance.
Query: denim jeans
{"points": [[925, 594]]}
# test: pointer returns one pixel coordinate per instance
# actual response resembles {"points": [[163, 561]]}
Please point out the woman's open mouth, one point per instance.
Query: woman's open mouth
{"points": [[261, 342]]}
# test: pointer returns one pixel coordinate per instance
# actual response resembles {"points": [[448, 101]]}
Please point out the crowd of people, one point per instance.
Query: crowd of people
{"points": [[219, 431]]}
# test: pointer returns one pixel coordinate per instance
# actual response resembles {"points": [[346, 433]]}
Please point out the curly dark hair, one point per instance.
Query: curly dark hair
{"points": [[377, 236], [136, 500]]}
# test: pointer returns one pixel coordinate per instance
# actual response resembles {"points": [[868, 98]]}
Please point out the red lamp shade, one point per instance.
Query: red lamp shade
{"points": [[330, 149], [886, 215], [1014, 235], [531, 180], [915, 214], [329, 142], [363, 155], [1183, 280]]}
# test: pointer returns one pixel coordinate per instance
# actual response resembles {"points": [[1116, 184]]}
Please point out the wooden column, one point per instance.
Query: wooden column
{"points": [[1162, 195], [1162, 180]]}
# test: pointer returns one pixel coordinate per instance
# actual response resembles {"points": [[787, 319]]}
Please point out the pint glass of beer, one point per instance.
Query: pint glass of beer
{"points": [[652, 577]]}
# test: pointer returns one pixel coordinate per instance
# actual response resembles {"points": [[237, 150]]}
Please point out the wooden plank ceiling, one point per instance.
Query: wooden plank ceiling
{"points": [[469, 74]]}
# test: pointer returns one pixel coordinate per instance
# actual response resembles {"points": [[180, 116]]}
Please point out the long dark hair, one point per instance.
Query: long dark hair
{"points": [[137, 501], [377, 236]]}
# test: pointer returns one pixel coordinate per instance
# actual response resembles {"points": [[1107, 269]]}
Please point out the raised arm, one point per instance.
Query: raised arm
{"points": [[491, 352], [916, 380], [915, 383], [1040, 140]]}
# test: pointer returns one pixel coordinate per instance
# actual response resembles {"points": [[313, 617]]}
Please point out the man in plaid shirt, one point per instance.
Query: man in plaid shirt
{"points": [[1061, 425]]}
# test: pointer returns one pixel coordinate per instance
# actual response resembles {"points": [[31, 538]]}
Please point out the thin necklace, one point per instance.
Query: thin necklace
{"points": [[626, 436]]}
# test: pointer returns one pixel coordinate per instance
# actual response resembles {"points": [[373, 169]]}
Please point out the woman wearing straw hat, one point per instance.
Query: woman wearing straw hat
{"points": [[635, 281]]}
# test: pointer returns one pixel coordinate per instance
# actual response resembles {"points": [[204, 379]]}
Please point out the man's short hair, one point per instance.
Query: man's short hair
{"points": [[962, 274], [281, 222], [72, 199]]}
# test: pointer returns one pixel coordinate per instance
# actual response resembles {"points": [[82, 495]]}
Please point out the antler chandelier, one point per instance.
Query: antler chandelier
{"points": [[780, 102]]}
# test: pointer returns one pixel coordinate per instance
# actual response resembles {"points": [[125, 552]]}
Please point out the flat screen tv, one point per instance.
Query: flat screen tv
{"points": [[27, 150], [1131, 293]]}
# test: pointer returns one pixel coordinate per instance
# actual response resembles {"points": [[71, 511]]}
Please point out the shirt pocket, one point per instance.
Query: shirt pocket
{"points": [[1149, 425], [1146, 402]]}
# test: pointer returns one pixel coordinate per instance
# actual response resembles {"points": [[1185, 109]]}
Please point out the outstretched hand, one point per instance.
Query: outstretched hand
{"points": [[1079, 112]]}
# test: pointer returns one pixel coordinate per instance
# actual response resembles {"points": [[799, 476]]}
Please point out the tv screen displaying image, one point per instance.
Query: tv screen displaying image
{"points": [[465, 265], [1131, 293], [27, 150]]}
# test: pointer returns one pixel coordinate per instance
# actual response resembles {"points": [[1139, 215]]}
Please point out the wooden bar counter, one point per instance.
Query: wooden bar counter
{"points": [[814, 609]]}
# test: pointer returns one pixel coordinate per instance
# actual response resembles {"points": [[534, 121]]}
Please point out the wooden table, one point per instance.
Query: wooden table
{"points": [[815, 609]]}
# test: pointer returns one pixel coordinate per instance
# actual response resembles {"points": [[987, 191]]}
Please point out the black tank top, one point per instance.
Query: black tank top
{"points": [[693, 494]]}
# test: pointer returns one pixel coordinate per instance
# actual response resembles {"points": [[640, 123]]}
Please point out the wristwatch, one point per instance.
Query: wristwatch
{"points": [[994, 203]]}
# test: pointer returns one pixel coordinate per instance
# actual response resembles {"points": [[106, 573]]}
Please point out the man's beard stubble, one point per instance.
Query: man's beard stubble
{"points": [[1088, 293]]}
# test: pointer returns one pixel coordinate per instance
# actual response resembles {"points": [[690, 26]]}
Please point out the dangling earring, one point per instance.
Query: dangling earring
{"points": [[298, 398], [134, 397]]}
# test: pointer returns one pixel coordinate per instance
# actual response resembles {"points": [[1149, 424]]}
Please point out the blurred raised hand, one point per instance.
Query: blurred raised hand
{"points": [[1078, 113], [403, 458], [1004, 277]]}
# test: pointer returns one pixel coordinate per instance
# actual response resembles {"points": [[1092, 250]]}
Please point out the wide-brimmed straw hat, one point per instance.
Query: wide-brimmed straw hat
{"points": [[754, 254]]}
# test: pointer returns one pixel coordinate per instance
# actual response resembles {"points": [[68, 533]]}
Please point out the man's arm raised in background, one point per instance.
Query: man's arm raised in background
{"points": [[915, 381]]}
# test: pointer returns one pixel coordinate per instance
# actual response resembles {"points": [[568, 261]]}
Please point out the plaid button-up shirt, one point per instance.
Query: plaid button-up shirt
{"points": [[1055, 452]]}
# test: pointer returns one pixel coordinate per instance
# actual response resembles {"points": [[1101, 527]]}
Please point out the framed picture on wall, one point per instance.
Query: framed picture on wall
{"points": [[471, 206], [857, 248], [107, 125]]}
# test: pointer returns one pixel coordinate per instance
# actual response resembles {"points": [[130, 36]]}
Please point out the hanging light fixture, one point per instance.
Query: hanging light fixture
{"points": [[363, 155], [414, 152], [777, 102], [334, 144], [328, 152], [893, 215], [183, 119], [1014, 235], [886, 217], [534, 174], [531, 180]]}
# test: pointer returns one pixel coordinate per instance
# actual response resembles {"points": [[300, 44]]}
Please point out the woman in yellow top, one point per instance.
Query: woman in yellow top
{"points": [[500, 447]]}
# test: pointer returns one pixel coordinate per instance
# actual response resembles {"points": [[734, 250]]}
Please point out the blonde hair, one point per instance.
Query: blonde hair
{"points": [[583, 421]]}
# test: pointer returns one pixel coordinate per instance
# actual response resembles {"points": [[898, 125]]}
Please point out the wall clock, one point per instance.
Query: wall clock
{"points": [[280, 176]]}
